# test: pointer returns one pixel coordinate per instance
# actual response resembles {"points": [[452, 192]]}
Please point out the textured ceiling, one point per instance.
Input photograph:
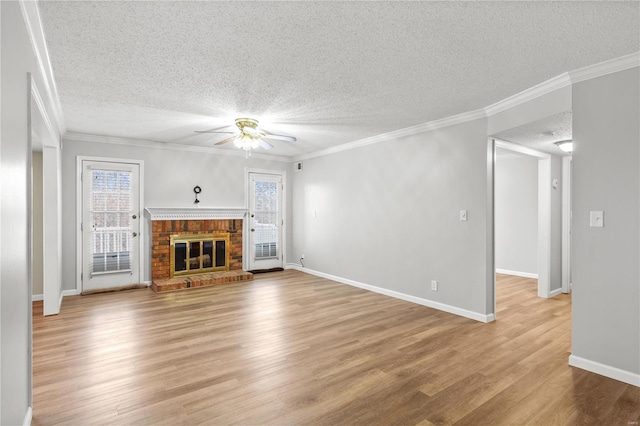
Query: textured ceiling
{"points": [[542, 134], [326, 72]]}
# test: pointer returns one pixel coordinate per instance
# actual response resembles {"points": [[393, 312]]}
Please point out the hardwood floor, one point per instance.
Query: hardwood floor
{"points": [[291, 348]]}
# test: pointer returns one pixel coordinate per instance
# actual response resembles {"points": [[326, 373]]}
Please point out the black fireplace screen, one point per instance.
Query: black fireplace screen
{"points": [[198, 253]]}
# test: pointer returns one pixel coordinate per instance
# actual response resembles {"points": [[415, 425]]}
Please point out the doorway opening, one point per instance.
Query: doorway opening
{"points": [[543, 220]]}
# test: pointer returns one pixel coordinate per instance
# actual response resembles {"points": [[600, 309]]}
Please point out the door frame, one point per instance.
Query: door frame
{"points": [[544, 215], [245, 223], [567, 166], [79, 243]]}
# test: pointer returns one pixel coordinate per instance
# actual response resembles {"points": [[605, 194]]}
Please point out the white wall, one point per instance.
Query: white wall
{"points": [[516, 214], [387, 215], [606, 176], [169, 178], [15, 196], [37, 265]]}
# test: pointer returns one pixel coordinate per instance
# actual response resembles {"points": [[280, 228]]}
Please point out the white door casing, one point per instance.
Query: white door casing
{"points": [[265, 221], [566, 224], [110, 226]]}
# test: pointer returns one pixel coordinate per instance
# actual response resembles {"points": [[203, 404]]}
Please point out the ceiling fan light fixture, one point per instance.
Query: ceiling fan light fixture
{"points": [[566, 146], [250, 137]]}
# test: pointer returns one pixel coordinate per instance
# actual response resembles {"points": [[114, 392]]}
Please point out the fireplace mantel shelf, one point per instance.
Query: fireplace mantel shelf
{"points": [[194, 213]]}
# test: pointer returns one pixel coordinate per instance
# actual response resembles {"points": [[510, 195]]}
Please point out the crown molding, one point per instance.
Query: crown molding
{"points": [[592, 71], [54, 140], [33, 24], [396, 134], [141, 143], [607, 67], [530, 94]]}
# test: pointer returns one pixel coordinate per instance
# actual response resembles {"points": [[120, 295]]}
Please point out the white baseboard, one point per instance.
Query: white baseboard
{"points": [[517, 273], [37, 297], [605, 370], [293, 266], [28, 417], [555, 292], [66, 293], [418, 300]]}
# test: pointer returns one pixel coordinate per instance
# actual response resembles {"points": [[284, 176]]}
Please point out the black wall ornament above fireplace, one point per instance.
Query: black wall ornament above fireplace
{"points": [[197, 190]]}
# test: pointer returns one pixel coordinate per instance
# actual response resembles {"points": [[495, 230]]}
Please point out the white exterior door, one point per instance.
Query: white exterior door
{"points": [[265, 221], [110, 225]]}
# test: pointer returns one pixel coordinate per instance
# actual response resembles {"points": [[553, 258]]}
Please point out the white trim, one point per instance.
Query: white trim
{"points": [[35, 93], [141, 229], [605, 370], [83, 137], [28, 417], [554, 293], [544, 227], [71, 292], [194, 213], [604, 68], [529, 94], [245, 231], [490, 233], [548, 86], [592, 71], [558, 82], [62, 295], [33, 24], [520, 149], [566, 224], [396, 134], [37, 297], [517, 273], [402, 296]]}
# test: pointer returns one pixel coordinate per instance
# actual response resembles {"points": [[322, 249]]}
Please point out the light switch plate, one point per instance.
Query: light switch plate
{"points": [[464, 215], [596, 219]]}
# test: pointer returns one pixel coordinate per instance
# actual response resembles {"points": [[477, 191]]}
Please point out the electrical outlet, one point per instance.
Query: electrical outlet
{"points": [[302, 257], [434, 285], [464, 215]]}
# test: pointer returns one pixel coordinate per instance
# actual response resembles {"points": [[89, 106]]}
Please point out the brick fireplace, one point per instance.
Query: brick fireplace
{"points": [[171, 224]]}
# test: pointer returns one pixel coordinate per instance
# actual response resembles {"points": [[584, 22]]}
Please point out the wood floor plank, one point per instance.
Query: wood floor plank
{"points": [[291, 348]]}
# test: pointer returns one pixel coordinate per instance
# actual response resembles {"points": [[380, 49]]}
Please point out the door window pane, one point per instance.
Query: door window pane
{"points": [[265, 221], [109, 216]]}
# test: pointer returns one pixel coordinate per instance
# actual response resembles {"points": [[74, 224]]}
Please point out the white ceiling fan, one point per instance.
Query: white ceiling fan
{"points": [[250, 137]]}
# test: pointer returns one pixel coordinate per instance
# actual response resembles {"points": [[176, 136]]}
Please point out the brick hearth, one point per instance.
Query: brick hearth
{"points": [[200, 280]]}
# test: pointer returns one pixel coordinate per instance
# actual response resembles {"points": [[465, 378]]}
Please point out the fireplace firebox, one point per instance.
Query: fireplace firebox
{"points": [[199, 253]]}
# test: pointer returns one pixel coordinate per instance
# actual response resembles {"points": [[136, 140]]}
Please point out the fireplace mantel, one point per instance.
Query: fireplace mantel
{"points": [[194, 213]]}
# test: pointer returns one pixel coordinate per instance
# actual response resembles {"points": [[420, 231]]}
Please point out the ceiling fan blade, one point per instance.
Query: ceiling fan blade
{"points": [[265, 144], [227, 140], [279, 137], [212, 131]]}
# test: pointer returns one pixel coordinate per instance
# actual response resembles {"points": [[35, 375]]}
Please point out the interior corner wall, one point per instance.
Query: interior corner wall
{"points": [[606, 176], [516, 214], [387, 215], [169, 178]]}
